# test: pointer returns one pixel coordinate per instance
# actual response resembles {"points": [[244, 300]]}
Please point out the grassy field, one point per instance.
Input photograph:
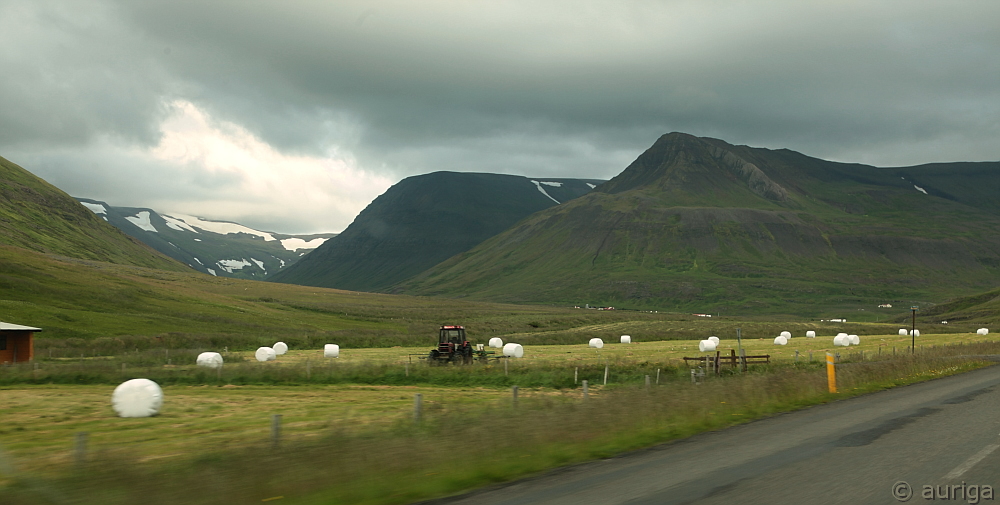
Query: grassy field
{"points": [[206, 429]]}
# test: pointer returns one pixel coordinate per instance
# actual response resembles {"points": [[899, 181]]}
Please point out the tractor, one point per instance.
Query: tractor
{"points": [[454, 348]]}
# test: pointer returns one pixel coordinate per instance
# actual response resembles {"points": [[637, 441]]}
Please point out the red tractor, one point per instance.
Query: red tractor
{"points": [[452, 347]]}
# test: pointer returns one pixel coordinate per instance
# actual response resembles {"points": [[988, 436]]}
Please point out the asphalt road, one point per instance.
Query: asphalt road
{"points": [[937, 433]]}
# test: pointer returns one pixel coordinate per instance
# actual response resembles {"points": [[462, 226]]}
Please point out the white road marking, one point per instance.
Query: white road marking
{"points": [[971, 462]]}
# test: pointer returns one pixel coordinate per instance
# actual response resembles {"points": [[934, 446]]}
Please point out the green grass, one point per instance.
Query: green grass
{"points": [[353, 444]]}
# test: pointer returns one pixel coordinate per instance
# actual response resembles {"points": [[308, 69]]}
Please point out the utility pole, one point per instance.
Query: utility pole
{"points": [[913, 330]]}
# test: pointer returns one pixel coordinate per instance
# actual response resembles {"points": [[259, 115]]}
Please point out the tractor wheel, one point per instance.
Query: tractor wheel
{"points": [[467, 356], [432, 358]]}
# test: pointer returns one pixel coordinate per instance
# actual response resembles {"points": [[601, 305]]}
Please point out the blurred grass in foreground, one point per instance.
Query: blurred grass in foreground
{"points": [[472, 444]]}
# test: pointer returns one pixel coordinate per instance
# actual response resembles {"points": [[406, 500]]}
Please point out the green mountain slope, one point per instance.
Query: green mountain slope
{"points": [[423, 220], [697, 224], [981, 309], [38, 216]]}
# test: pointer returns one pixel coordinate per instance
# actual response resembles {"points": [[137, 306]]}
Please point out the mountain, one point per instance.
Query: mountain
{"points": [[219, 248], [978, 309], [38, 216], [698, 224], [423, 220]]}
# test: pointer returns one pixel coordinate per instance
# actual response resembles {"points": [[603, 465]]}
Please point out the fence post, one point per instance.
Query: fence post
{"points": [[275, 430], [576, 375], [657, 376], [605, 374], [585, 389], [831, 373], [80, 450], [513, 392], [647, 383], [796, 355], [505, 366], [417, 401]]}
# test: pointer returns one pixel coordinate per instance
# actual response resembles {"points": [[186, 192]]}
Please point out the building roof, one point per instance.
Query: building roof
{"points": [[16, 327]]}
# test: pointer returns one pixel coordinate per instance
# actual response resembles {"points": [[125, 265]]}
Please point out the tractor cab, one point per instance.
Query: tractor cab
{"points": [[452, 346], [451, 338]]}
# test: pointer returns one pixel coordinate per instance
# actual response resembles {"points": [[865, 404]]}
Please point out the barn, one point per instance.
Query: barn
{"points": [[17, 343]]}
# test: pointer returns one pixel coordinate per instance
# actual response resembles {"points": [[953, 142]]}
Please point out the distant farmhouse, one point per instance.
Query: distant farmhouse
{"points": [[17, 343]]}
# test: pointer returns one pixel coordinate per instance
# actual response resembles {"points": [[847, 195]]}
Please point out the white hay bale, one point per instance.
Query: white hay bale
{"points": [[280, 348], [786, 334], [855, 340], [496, 342], [626, 339], [842, 340], [706, 346], [902, 332], [810, 334], [715, 339], [596, 343], [137, 398], [209, 360], [914, 333], [780, 340], [265, 354], [513, 350], [983, 331], [331, 351]]}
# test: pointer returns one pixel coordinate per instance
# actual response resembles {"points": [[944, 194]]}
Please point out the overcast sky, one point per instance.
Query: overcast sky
{"points": [[292, 116]]}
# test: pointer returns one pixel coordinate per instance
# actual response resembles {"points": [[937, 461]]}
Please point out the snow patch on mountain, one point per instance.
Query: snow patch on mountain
{"points": [[295, 243], [177, 224], [222, 227], [592, 186], [230, 265], [211, 271], [199, 261], [142, 221], [553, 184], [260, 264], [96, 208], [922, 190], [542, 190]]}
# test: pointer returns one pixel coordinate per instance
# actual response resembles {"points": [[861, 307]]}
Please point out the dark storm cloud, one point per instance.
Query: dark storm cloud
{"points": [[555, 89]]}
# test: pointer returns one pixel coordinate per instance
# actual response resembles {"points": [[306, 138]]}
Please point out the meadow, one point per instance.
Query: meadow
{"points": [[347, 441]]}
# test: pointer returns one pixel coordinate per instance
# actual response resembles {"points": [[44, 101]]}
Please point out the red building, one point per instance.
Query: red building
{"points": [[17, 343]]}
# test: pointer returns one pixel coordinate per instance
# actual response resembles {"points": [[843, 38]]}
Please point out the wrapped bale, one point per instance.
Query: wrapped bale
{"points": [[983, 331], [209, 360], [626, 339], [902, 332], [914, 333], [496, 342], [706, 346], [842, 340], [780, 340], [513, 350], [331, 351], [855, 340], [280, 348], [714, 339], [596, 343], [137, 398], [786, 334], [265, 354], [810, 334]]}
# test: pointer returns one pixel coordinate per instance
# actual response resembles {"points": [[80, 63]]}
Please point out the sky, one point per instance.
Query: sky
{"points": [[292, 116]]}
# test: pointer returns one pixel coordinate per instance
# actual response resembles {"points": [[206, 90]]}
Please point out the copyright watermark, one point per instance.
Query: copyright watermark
{"points": [[969, 493]]}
